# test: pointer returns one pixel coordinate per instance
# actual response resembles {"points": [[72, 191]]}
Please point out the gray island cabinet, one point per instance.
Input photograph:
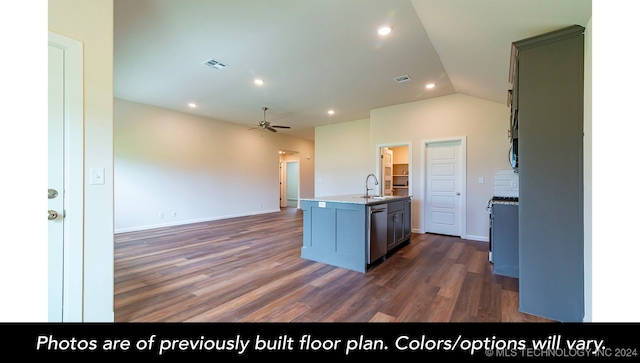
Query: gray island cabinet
{"points": [[354, 232]]}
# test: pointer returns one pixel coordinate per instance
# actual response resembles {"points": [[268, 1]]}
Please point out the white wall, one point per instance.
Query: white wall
{"points": [[199, 168], [342, 158], [484, 124], [611, 247], [23, 151], [91, 22], [346, 152]]}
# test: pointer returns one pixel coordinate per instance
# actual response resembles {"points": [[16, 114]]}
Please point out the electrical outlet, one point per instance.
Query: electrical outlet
{"points": [[160, 215], [173, 214]]}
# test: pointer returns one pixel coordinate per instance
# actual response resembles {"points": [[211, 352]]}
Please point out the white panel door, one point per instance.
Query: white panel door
{"points": [[65, 176], [443, 194], [387, 171], [55, 183]]}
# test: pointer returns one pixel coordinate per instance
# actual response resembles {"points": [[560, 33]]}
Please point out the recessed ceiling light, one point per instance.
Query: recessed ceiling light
{"points": [[331, 112], [384, 30], [431, 85], [259, 82], [192, 105]]}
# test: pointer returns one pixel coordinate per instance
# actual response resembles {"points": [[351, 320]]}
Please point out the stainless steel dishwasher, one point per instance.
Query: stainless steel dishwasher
{"points": [[377, 232]]}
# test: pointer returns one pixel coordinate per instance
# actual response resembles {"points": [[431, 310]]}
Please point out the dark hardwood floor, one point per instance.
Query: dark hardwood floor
{"points": [[249, 269]]}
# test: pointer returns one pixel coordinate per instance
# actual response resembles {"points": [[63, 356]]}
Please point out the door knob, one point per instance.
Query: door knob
{"points": [[52, 214], [457, 193]]}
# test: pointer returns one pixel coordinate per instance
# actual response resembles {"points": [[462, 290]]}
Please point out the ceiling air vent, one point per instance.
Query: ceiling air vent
{"points": [[212, 63], [401, 79]]}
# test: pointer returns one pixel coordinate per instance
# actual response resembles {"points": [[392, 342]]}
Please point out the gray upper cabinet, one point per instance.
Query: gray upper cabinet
{"points": [[548, 73]]}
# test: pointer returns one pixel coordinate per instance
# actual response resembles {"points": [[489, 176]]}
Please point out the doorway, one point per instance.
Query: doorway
{"points": [[394, 169], [289, 179], [445, 186]]}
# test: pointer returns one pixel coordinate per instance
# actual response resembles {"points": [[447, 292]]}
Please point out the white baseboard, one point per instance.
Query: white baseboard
{"points": [[471, 237], [191, 221], [478, 238]]}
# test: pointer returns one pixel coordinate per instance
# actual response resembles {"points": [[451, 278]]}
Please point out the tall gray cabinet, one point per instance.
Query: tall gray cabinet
{"points": [[547, 74]]}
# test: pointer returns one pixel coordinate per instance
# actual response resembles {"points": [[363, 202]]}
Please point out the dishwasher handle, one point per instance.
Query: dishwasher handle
{"points": [[377, 210]]}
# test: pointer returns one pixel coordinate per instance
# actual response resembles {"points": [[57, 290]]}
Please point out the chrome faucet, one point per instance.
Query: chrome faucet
{"points": [[366, 184]]}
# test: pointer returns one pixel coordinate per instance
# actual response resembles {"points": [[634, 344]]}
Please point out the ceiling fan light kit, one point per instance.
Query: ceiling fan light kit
{"points": [[265, 125]]}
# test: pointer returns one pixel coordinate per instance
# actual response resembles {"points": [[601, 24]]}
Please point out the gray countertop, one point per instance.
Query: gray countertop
{"points": [[508, 202], [358, 199]]}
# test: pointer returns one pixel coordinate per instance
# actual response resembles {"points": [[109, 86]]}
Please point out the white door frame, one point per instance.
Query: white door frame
{"points": [[73, 215], [284, 175], [463, 181]]}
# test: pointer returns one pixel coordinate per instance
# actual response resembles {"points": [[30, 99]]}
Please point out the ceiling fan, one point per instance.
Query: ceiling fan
{"points": [[264, 124]]}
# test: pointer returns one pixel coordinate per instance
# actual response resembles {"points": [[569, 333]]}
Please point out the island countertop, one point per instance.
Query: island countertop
{"points": [[358, 199]]}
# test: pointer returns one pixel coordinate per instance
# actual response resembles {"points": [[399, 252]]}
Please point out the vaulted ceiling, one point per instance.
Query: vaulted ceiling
{"points": [[320, 55]]}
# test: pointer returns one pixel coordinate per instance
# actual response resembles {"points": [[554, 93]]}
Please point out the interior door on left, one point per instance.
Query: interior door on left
{"points": [[55, 193], [387, 171]]}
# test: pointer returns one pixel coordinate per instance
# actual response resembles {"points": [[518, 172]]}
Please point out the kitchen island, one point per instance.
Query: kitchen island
{"points": [[353, 231]]}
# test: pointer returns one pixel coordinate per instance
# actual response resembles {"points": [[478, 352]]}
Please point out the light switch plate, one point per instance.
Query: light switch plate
{"points": [[97, 176]]}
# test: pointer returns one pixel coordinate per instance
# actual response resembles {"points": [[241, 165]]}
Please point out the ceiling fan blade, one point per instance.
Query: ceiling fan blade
{"points": [[281, 127], [271, 129]]}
